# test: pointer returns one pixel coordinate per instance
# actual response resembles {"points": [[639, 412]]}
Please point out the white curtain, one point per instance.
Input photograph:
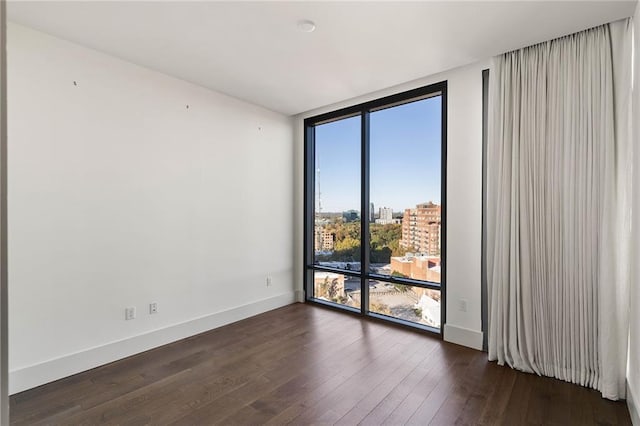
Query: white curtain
{"points": [[558, 176]]}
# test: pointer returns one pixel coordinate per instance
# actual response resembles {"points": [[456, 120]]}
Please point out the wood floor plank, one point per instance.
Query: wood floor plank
{"points": [[112, 381], [368, 375], [379, 393], [323, 379], [421, 391], [304, 364], [230, 373], [467, 395], [402, 390], [500, 383], [447, 390], [321, 367]]}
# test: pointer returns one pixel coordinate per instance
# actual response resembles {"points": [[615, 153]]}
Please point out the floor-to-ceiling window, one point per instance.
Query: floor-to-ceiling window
{"points": [[375, 222]]}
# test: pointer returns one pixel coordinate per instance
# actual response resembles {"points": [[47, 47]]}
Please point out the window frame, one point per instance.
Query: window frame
{"points": [[484, 294], [364, 110]]}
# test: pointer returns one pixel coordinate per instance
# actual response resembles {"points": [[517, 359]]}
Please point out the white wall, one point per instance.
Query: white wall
{"points": [[633, 372], [120, 196], [464, 194]]}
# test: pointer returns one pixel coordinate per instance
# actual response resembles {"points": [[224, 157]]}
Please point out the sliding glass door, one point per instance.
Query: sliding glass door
{"points": [[375, 208]]}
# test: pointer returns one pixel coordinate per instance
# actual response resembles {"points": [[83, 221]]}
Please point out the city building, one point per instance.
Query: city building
{"points": [[417, 266], [323, 239], [386, 213], [351, 216], [421, 228], [385, 217], [429, 306]]}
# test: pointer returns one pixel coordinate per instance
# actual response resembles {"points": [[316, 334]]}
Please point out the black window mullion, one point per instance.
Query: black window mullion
{"points": [[345, 272], [309, 207], [404, 281], [483, 270], [365, 211], [443, 212]]}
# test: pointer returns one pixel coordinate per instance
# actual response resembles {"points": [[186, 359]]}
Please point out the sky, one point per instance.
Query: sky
{"points": [[405, 143]]}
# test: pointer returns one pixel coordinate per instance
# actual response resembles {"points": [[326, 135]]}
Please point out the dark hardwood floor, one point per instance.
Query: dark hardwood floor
{"points": [[303, 364]]}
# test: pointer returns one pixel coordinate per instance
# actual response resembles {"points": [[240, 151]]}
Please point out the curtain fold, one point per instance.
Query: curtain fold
{"points": [[558, 181]]}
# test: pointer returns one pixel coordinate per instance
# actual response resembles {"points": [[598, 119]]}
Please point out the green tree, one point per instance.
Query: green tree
{"points": [[347, 243]]}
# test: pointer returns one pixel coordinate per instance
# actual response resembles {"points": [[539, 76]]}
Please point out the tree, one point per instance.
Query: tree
{"points": [[347, 243], [401, 287], [382, 255], [379, 308], [330, 289]]}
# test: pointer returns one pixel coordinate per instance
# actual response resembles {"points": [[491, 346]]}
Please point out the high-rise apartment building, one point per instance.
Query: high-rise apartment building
{"points": [[323, 240], [385, 216], [421, 228]]}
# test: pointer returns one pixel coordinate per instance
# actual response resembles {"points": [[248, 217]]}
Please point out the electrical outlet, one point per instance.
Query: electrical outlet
{"points": [[462, 305], [268, 280], [130, 313], [153, 307]]}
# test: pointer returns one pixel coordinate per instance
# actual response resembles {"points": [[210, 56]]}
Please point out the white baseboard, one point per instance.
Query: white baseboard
{"points": [[48, 371], [463, 336], [300, 296], [634, 405]]}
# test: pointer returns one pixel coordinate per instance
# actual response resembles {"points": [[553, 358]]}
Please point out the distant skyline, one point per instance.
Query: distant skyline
{"points": [[405, 144]]}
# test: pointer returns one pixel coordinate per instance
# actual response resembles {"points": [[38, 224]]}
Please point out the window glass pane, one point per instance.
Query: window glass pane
{"points": [[337, 288], [337, 227], [405, 188], [409, 303]]}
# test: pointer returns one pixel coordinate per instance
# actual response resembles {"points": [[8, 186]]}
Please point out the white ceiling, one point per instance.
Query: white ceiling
{"points": [[253, 50]]}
